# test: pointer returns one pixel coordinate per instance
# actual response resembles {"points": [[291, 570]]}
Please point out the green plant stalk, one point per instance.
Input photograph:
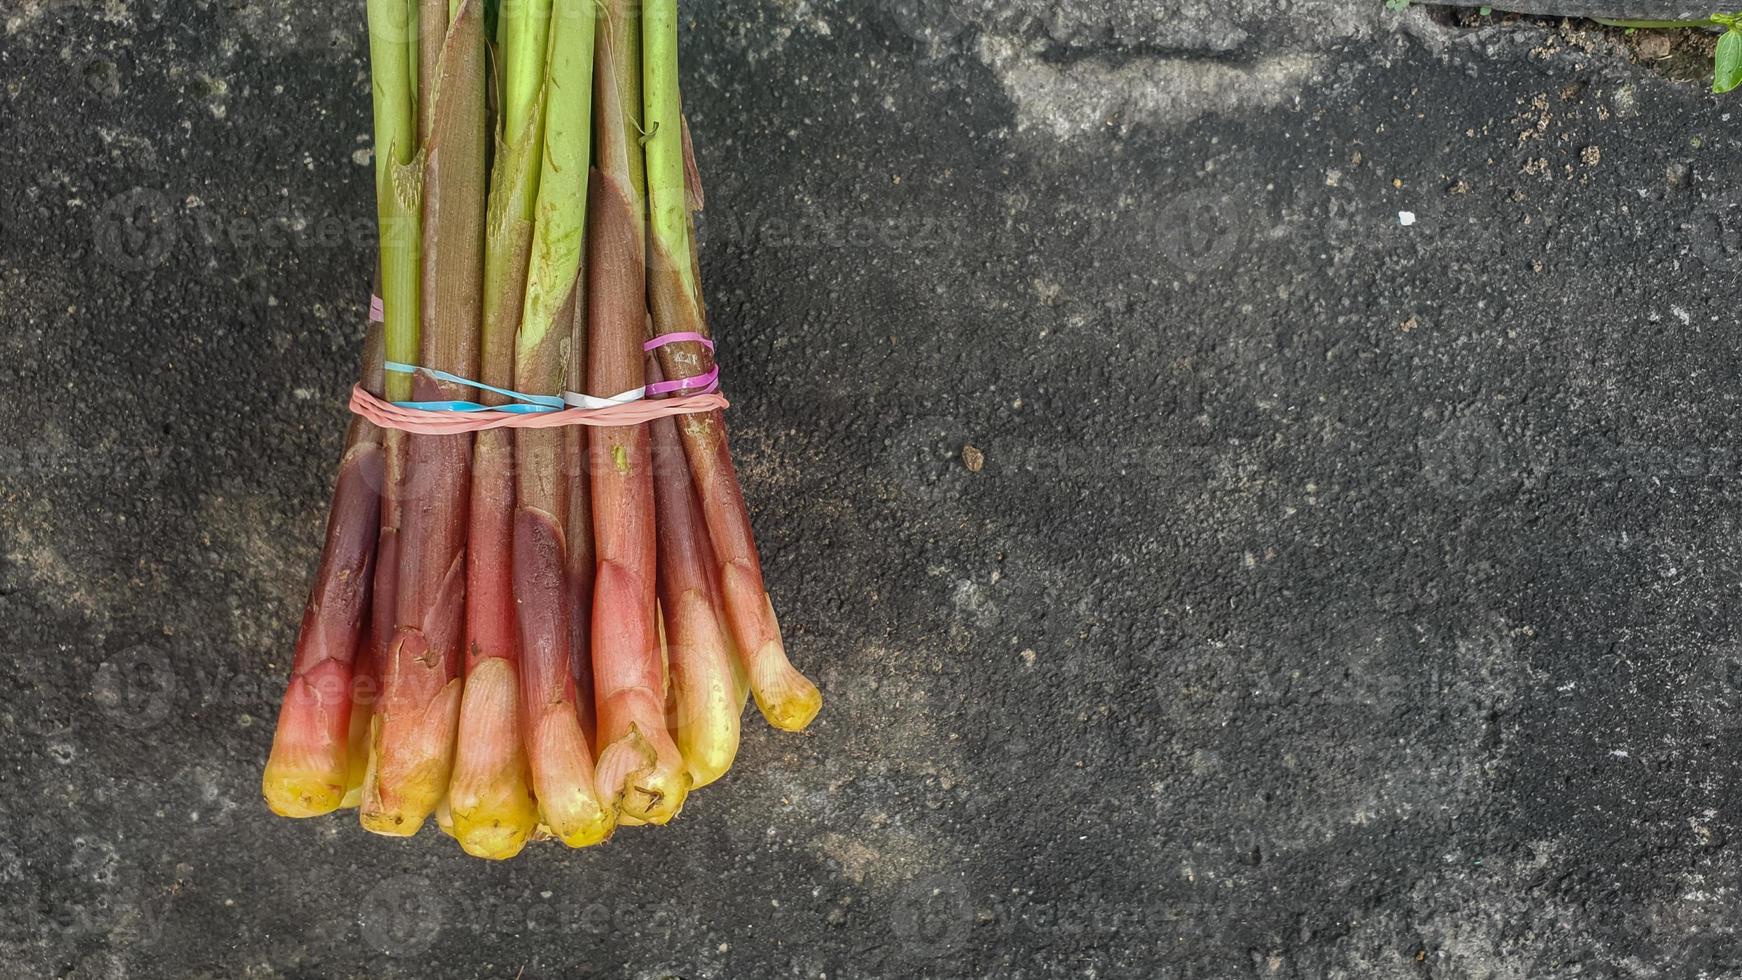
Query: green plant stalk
{"points": [[392, 77], [560, 217], [561, 760], [740, 675], [788, 699], [413, 54], [489, 808], [491, 776], [397, 215], [668, 213], [513, 195], [490, 801], [514, 185], [640, 767], [396, 190], [525, 32], [704, 702], [412, 746]]}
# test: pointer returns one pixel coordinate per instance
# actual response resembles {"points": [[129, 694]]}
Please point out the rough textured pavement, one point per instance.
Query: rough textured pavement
{"points": [[1348, 586]]}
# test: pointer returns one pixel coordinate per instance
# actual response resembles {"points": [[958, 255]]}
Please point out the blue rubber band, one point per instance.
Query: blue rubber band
{"points": [[532, 404]]}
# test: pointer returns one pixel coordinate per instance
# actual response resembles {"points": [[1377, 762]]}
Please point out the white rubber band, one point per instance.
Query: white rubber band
{"points": [[575, 399]]}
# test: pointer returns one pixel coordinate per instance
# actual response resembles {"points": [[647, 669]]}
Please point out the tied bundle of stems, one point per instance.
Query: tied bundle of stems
{"points": [[530, 633]]}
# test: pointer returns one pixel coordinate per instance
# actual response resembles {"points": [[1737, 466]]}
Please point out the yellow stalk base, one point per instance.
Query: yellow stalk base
{"points": [[397, 802], [302, 793], [568, 803], [705, 704], [490, 795], [644, 779], [787, 698]]}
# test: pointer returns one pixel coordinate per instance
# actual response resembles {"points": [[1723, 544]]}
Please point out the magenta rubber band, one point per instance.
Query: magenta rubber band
{"points": [[705, 382], [685, 337], [701, 382]]}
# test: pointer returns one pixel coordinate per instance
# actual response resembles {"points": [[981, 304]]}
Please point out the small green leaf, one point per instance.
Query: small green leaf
{"points": [[1396, 4], [1485, 11], [1727, 65]]}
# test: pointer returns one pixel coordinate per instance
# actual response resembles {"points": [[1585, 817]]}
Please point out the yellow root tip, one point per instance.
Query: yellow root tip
{"points": [[303, 794]]}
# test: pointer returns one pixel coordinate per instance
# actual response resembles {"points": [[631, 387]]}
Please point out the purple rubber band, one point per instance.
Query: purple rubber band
{"points": [[677, 338], [701, 383], [377, 310]]}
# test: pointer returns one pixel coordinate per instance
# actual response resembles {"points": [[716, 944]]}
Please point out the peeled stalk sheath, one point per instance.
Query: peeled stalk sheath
{"points": [[704, 702], [640, 768], [787, 698], [398, 181], [492, 811], [308, 772], [432, 30], [412, 748], [557, 749]]}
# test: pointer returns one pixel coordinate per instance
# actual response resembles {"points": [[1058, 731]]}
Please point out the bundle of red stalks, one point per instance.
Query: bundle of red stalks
{"points": [[544, 630]]}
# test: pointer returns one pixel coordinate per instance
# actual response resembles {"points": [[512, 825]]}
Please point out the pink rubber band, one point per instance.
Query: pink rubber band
{"points": [[700, 383], [705, 382], [390, 416], [678, 338]]}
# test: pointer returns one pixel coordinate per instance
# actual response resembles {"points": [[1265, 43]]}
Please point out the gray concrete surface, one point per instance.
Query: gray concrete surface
{"points": [[1340, 596]]}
